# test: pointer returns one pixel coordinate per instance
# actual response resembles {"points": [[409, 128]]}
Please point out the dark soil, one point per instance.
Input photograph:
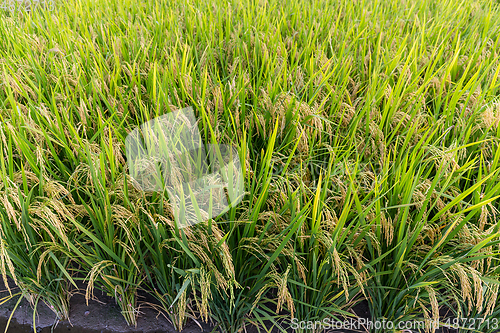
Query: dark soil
{"points": [[103, 316], [100, 316]]}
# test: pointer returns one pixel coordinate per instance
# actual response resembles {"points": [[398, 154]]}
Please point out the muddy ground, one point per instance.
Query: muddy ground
{"points": [[100, 316], [103, 316]]}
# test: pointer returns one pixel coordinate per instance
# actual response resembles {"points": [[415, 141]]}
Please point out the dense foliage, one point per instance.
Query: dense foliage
{"points": [[369, 132]]}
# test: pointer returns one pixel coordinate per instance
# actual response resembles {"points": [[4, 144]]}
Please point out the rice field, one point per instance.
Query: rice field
{"points": [[368, 132]]}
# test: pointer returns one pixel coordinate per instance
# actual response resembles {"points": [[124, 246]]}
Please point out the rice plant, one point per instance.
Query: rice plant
{"points": [[368, 137]]}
